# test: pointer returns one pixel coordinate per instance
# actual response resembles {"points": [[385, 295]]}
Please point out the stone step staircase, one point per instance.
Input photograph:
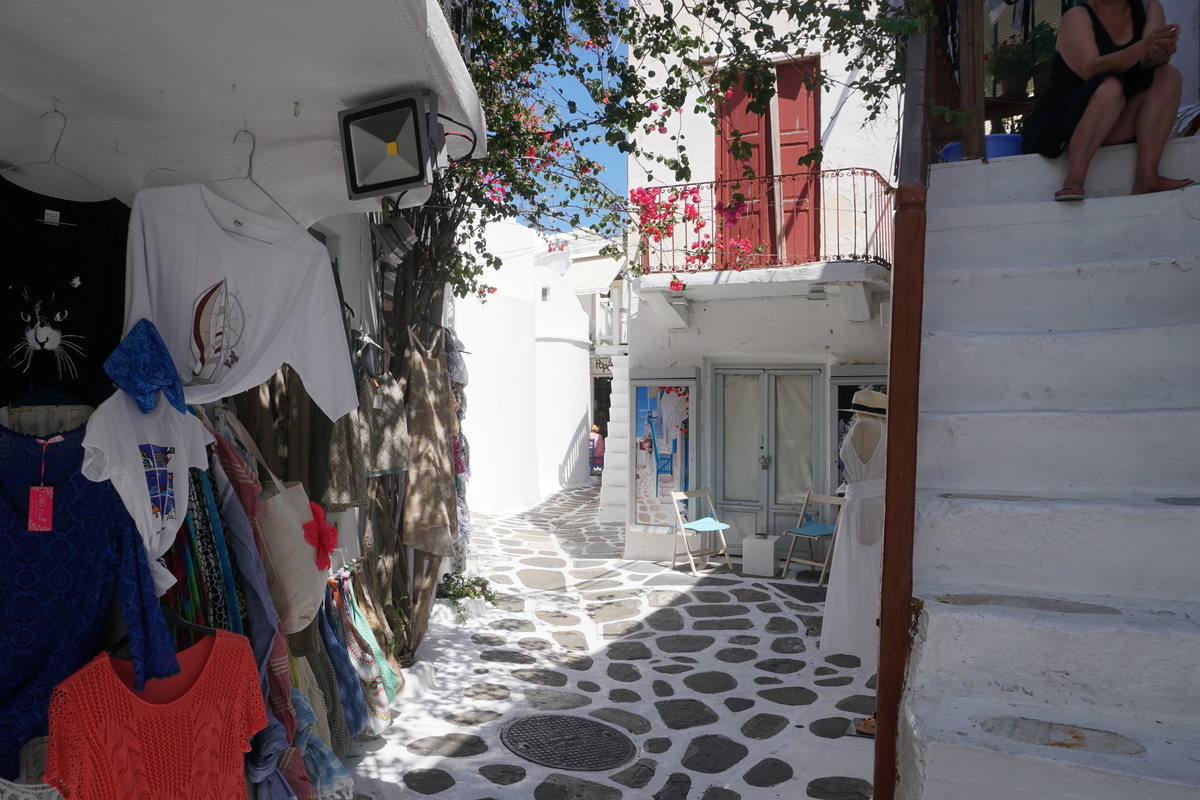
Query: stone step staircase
{"points": [[1058, 507]]}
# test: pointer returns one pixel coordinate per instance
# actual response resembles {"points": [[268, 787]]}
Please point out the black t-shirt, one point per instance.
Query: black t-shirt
{"points": [[62, 292]]}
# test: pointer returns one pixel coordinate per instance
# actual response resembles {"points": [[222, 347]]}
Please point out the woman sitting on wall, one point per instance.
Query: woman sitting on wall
{"points": [[1104, 93]]}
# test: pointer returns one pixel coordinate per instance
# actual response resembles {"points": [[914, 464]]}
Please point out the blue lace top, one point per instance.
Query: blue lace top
{"points": [[58, 585]]}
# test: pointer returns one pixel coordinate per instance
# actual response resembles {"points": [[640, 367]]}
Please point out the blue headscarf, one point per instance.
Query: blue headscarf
{"points": [[141, 365]]}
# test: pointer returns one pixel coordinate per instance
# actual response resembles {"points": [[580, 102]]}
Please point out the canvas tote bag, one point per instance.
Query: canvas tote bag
{"points": [[296, 584]]}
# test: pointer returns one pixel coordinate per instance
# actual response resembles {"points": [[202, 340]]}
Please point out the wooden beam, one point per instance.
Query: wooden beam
{"points": [[971, 33], [897, 607], [912, 145]]}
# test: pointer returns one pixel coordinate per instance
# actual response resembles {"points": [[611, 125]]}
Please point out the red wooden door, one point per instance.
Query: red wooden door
{"points": [[799, 130], [756, 224]]}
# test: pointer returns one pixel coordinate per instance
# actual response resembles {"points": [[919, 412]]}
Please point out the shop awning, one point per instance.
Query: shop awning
{"points": [[154, 93]]}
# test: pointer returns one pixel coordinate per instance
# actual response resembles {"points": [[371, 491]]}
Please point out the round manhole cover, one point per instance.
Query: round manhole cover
{"points": [[565, 742]]}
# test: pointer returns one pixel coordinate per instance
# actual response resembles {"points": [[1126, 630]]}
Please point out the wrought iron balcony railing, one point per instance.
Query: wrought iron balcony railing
{"points": [[769, 221]]}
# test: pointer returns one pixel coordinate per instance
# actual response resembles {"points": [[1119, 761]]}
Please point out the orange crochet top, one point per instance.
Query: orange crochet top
{"points": [[182, 737]]}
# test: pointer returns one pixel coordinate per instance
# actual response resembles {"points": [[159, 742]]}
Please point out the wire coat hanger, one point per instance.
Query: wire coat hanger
{"points": [[53, 158], [249, 176]]}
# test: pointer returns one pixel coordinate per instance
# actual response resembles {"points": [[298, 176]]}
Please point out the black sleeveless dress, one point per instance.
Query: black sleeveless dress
{"points": [[1049, 127]]}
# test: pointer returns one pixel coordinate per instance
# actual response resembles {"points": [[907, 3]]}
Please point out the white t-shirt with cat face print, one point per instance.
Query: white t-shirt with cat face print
{"points": [[147, 457], [233, 307]]}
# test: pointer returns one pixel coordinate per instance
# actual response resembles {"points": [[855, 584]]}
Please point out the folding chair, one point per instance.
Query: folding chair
{"points": [[812, 532], [705, 527]]}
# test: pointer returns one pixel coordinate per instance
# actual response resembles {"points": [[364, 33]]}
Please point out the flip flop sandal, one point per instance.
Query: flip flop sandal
{"points": [[1161, 186], [1069, 193], [865, 727]]}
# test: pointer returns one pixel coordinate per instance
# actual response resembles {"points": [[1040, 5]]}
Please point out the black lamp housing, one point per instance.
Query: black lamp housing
{"points": [[391, 145]]}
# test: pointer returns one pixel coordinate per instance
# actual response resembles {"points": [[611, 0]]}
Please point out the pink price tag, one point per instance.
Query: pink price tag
{"points": [[41, 508]]}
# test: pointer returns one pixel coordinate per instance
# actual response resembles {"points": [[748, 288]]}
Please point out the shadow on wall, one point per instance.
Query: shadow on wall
{"points": [[572, 470]]}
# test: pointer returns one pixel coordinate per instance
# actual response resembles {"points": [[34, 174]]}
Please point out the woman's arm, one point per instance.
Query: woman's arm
{"points": [[1156, 20], [1077, 44]]}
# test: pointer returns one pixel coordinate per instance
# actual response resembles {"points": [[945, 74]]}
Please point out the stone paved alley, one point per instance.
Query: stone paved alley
{"points": [[718, 680]]}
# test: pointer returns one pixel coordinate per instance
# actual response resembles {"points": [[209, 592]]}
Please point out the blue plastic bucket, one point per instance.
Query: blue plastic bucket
{"points": [[996, 145]]}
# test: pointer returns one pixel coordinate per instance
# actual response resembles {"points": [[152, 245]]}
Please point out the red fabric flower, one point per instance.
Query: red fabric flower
{"points": [[321, 535]]}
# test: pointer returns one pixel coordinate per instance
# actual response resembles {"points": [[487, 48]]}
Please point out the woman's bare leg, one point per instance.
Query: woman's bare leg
{"points": [[1103, 111], [1152, 125]]}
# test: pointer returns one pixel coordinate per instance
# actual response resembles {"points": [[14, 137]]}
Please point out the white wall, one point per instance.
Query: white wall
{"points": [[528, 400]]}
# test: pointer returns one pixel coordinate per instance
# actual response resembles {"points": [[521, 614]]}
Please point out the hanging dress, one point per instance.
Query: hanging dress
{"points": [[852, 603], [430, 510], [1050, 125]]}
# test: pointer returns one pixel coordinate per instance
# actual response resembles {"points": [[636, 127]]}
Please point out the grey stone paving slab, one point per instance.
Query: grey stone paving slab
{"points": [[503, 774], [872, 682], [713, 754], [736, 704], [568, 787], [674, 579], [615, 630], [676, 788], [628, 651], [554, 700], [830, 727], [510, 603], [487, 691], [812, 625], [469, 719], [663, 689], [682, 660], [844, 660], [768, 772], [428, 781], [660, 598], [685, 713], [781, 625], [863, 704], [637, 774], [589, 686], [742, 639], [572, 640], [634, 723], [730, 624], [515, 625], [788, 644], [780, 666], [612, 594], [767, 681], [801, 608], [720, 793], [623, 696], [711, 596], [769, 608], [548, 563], [452, 745], [750, 595], [557, 618], [673, 669], [542, 579], [543, 677], [843, 680], [683, 643], [763, 726], [665, 619], [597, 585], [657, 745], [789, 695], [805, 593], [711, 682], [534, 643], [716, 610], [617, 609], [488, 639], [507, 657], [625, 673], [837, 787], [641, 635], [824, 671], [572, 661]]}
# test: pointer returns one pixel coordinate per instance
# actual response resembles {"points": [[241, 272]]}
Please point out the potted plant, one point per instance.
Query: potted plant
{"points": [[466, 595], [1044, 39], [1010, 65]]}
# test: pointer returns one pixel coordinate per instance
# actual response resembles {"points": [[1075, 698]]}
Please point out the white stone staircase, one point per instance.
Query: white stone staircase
{"points": [[614, 481], [1058, 559]]}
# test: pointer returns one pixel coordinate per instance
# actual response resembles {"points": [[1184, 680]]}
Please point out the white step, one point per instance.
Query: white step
{"points": [[946, 754], [1028, 234], [1105, 370], [1038, 451], [1062, 653], [1101, 294], [1034, 179], [1127, 546]]}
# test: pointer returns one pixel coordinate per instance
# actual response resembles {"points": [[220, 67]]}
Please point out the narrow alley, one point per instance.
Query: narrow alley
{"points": [[709, 687]]}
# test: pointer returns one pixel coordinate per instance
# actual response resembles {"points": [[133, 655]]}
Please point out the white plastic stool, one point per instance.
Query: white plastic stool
{"points": [[760, 556]]}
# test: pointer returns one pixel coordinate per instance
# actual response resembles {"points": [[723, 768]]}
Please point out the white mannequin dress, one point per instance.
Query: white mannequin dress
{"points": [[852, 603]]}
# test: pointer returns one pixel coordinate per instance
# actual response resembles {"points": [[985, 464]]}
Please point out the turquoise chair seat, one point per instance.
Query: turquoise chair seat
{"points": [[813, 529], [706, 525]]}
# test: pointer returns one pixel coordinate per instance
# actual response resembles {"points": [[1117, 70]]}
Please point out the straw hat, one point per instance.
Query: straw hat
{"points": [[868, 402]]}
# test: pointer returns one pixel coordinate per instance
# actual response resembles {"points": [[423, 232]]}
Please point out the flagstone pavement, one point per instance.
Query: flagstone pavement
{"points": [[718, 680]]}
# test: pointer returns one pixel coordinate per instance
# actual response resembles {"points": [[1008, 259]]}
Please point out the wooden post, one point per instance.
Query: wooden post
{"points": [[904, 368], [971, 27]]}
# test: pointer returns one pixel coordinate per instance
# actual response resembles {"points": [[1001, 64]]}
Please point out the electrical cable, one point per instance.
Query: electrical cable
{"points": [[472, 138]]}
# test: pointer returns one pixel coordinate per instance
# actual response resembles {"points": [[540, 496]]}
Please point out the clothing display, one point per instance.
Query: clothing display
{"points": [[330, 780], [61, 301], [142, 367], [233, 307], [1049, 127], [852, 602], [181, 738], [60, 583], [20, 791], [147, 457], [430, 513]]}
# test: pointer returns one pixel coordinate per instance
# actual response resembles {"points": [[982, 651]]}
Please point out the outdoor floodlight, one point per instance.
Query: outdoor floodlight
{"points": [[391, 145]]}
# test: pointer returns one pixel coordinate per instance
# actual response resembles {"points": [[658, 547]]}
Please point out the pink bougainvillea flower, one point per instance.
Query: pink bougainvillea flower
{"points": [[321, 535], [662, 129], [654, 106]]}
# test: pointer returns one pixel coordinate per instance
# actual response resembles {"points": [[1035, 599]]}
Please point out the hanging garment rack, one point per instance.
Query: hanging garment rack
{"points": [[249, 176]]}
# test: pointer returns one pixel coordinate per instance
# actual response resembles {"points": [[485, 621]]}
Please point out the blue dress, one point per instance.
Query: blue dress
{"points": [[59, 585]]}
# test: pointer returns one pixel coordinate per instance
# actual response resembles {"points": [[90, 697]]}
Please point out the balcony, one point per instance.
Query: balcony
{"points": [[766, 222]]}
